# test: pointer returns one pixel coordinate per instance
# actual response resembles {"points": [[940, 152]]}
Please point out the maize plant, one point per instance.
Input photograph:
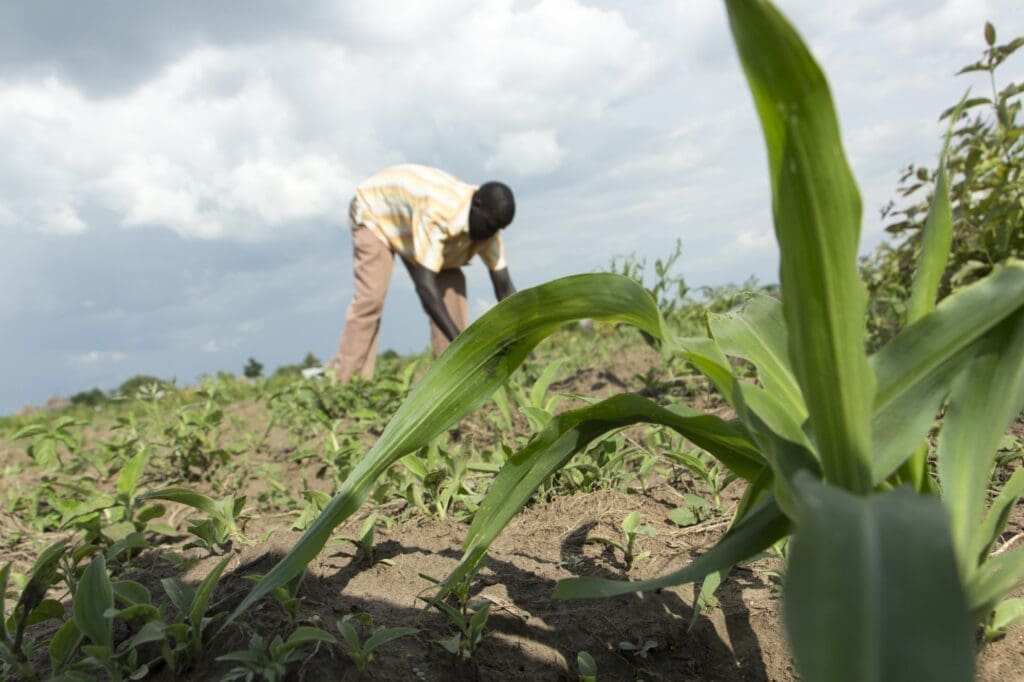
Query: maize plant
{"points": [[886, 580]]}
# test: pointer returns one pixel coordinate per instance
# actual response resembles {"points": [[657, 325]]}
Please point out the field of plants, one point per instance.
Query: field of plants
{"points": [[608, 476]]}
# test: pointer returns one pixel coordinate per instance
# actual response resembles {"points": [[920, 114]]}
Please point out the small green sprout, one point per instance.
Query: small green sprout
{"points": [[362, 653], [631, 528], [587, 667]]}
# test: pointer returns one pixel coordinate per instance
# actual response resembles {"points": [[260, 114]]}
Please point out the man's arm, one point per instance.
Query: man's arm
{"points": [[430, 296], [503, 287]]}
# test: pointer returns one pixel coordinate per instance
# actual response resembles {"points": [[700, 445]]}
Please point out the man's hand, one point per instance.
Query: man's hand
{"points": [[503, 287], [430, 296]]}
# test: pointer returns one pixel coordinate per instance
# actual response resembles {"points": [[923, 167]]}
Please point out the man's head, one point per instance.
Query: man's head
{"points": [[492, 209]]}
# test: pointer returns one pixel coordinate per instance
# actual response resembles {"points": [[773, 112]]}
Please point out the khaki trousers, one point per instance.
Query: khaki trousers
{"points": [[372, 263]]}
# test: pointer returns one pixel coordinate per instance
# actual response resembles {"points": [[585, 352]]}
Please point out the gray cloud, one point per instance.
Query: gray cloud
{"points": [[107, 48]]}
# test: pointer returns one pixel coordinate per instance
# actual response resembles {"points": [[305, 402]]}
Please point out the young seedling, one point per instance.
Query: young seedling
{"points": [[365, 541], [696, 510], [640, 648], [287, 595], [631, 528], [471, 631], [270, 661], [46, 441], [220, 528], [362, 653], [587, 667], [191, 604], [32, 607]]}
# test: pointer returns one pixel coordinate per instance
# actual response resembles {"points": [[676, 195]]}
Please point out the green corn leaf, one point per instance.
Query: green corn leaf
{"points": [[385, 635], [753, 493], [936, 239], [877, 574], [93, 597], [780, 438], [205, 591], [993, 580], [707, 356], [1005, 615], [764, 525], [571, 432], [757, 332], [986, 399], [464, 377], [303, 635], [998, 516], [192, 499], [540, 387], [770, 417], [916, 369], [817, 212], [349, 634]]}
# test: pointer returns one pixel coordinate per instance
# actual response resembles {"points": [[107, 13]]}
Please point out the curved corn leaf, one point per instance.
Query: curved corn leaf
{"points": [[192, 499], [303, 635], [385, 635], [571, 432], [1004, 616], [986, 399], [477, 362], [916, 369], [993, 580], [817, 212], [771, 417], [764, 525], [203, 593], [936, 239], [782, 441], [707, 356], [998, 516], [877, 574], [757, 333]]}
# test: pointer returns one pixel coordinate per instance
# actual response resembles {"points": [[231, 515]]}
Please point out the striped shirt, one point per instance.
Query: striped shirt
{"points": [[422, 214]]}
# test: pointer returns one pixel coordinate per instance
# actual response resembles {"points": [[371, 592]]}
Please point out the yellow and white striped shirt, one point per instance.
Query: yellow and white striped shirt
{"points": [[422, 214]]}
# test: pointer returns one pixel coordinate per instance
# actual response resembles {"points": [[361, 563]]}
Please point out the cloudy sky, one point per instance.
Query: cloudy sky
{"points": [[174, 175]]}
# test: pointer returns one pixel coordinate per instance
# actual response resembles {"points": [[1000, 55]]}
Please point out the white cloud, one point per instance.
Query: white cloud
{"points": [[242, 140], [755, 239], [531, 152], [250, 326], [96, 357]]}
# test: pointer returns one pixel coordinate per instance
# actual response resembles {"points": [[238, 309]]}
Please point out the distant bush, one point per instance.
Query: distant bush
{"points": [[986, 158], [130, 388], [294, 370], [253, 369], [91, 398]]}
